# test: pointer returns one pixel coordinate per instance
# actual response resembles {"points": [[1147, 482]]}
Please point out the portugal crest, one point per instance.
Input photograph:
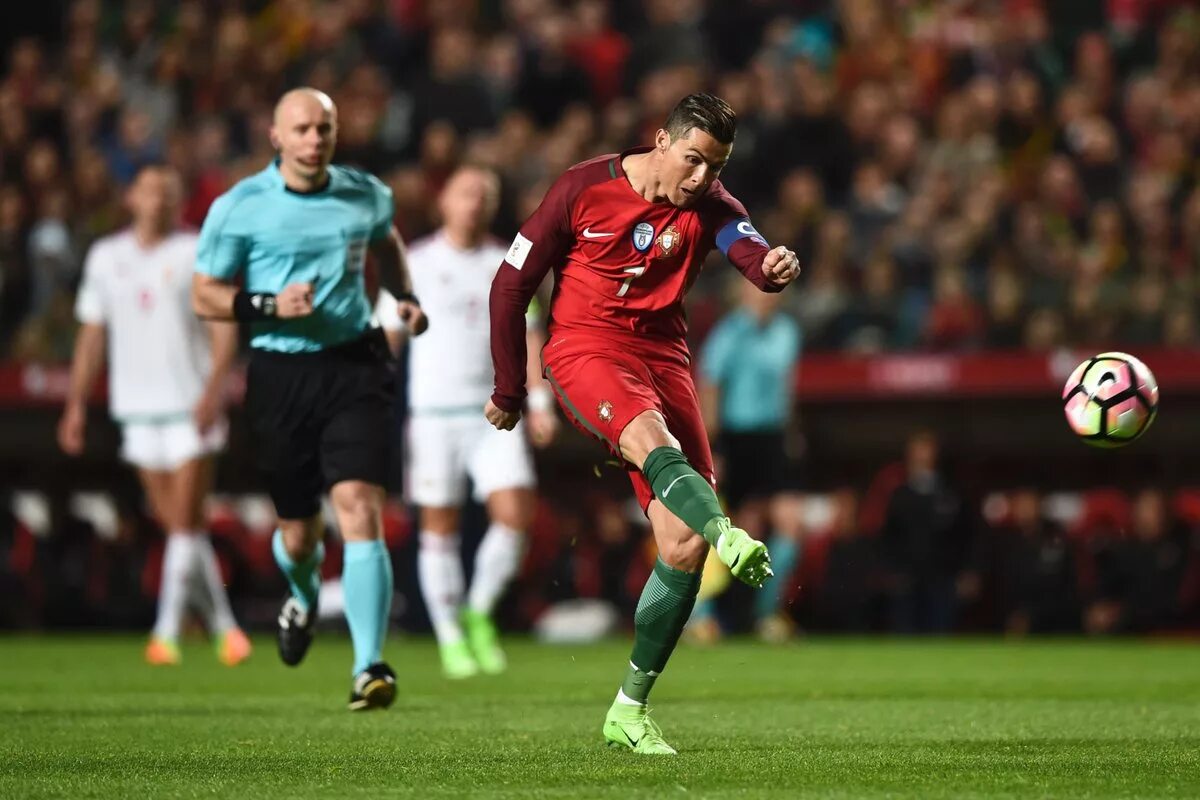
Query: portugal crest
{"points": [[668, 240], [643, 236], [604, 411]]}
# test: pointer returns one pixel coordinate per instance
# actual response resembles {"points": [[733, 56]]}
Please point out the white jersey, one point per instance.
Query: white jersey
{"points": [[158, 351], [450, 365]]}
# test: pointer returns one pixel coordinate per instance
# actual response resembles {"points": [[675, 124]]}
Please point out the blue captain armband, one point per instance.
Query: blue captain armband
{"points": [[735, 229]]}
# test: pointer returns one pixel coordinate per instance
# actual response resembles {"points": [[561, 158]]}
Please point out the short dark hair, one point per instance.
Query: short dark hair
{"points": [[706, 112]]}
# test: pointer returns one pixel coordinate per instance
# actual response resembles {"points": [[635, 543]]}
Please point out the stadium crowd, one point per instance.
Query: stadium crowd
{"points": [[993, 173], [954, 175]]}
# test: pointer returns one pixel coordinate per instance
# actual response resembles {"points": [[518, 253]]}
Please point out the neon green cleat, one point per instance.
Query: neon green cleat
{"points": [[746, 558], [457, 661], [484, 642], [631, 726]]}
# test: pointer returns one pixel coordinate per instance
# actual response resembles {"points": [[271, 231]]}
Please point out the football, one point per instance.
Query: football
{"points": [[1110, 399]]}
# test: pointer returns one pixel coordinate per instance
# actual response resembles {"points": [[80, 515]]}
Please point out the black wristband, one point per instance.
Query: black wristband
{"points": [[253, 306], [408, 297]]}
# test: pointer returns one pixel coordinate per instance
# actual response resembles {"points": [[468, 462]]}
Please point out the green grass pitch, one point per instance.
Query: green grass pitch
{"points": [[83, 717]]}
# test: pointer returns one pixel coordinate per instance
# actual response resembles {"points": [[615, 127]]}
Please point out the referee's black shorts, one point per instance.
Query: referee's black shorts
{"points": [[757, 466], [321, 418]]}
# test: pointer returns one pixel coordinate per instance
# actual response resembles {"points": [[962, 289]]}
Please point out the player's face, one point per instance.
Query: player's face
{"points": [[689, 165], [154, 199], [305, 134], [468, 203]]}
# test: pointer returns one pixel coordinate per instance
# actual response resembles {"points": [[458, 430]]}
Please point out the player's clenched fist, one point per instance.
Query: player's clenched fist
{"points": [[295, 300], [780, 265], [501, 420]]}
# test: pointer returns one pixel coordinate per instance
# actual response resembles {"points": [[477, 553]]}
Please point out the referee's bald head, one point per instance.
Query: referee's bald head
{"points": [[304, 98], [304, 133]]}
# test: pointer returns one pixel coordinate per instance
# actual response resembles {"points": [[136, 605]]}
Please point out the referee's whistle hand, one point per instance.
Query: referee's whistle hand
{"points": [[501, 420], [296, 300], [413, 317]]}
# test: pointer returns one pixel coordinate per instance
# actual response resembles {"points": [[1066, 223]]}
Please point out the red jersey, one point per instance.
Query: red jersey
{"points": [[622, 265]]}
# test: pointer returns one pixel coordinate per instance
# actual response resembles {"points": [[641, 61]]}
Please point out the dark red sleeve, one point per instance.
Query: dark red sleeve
{"points": [[543, 243], [736, 237]]}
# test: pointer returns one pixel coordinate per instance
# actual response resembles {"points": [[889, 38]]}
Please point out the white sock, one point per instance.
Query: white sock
{"points": [[213, 599], [439, 567], [496, 562], [173, 588]]}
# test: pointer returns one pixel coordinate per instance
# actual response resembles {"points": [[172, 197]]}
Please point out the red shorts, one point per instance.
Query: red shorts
{"points": [[602, 385]]}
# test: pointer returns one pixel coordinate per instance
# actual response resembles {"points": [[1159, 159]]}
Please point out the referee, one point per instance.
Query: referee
{"points": [[319, 387]]}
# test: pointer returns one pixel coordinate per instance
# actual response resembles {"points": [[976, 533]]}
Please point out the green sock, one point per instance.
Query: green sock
{"points": [[685, 492], [662, 612]]}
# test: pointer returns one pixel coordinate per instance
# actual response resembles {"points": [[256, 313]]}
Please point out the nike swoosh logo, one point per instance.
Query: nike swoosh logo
{"points": [[632, 741], [588, 233], [667, 490]]}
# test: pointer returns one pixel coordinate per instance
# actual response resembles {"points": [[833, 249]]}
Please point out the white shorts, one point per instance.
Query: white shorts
{"points": [[443, 451], [169, 445]]}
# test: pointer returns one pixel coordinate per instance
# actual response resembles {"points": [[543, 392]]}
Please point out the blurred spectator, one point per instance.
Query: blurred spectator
{"points": [[925, 541], [845, 592], [1140, 576], [1028, 568]]}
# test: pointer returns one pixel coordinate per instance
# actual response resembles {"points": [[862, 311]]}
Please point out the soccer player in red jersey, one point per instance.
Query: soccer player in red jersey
{"points": [[626, 235]]}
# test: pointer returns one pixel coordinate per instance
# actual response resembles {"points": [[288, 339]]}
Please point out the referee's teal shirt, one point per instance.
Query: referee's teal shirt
{"points": [[755, 367], [273, 237]]}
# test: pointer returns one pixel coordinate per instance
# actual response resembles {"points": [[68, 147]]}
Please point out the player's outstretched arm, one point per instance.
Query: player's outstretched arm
{"points": [[392, 262], [85, 367], [770, 269]]}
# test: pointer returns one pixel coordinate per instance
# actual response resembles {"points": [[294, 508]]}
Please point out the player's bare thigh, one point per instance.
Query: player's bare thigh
{"points": [[678, 545], [513, 507], [177, 496], [645, 433]]}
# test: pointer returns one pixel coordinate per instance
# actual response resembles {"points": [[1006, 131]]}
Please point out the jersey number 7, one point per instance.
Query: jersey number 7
{"points": [[632, 272]]}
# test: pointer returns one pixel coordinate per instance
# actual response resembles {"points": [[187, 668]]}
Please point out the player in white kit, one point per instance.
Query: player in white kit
{"points": [[165, 381], [450, 378]]}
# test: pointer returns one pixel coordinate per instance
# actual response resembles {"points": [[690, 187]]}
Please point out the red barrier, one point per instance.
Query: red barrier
{"points": [[821, 377]]}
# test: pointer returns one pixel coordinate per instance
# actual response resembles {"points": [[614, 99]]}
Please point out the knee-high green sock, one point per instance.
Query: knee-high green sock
{"points": [[303, 577], [686, 493], [367, 585], [662, 612]]}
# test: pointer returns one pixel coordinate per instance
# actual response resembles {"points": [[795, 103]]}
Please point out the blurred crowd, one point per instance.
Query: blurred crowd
{"points": [[954, 173]]}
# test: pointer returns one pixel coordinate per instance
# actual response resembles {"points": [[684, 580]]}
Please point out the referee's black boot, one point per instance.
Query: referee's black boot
{"points": [[374, 687], [296, 629]]}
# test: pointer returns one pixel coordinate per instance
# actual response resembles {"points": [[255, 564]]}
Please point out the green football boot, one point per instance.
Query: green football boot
{"points": [[484, 642], [631, 726], [747, 559], [457, 661]]}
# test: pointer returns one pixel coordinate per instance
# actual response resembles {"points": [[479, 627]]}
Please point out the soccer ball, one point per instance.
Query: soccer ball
{"points": [[1110, 399]]}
